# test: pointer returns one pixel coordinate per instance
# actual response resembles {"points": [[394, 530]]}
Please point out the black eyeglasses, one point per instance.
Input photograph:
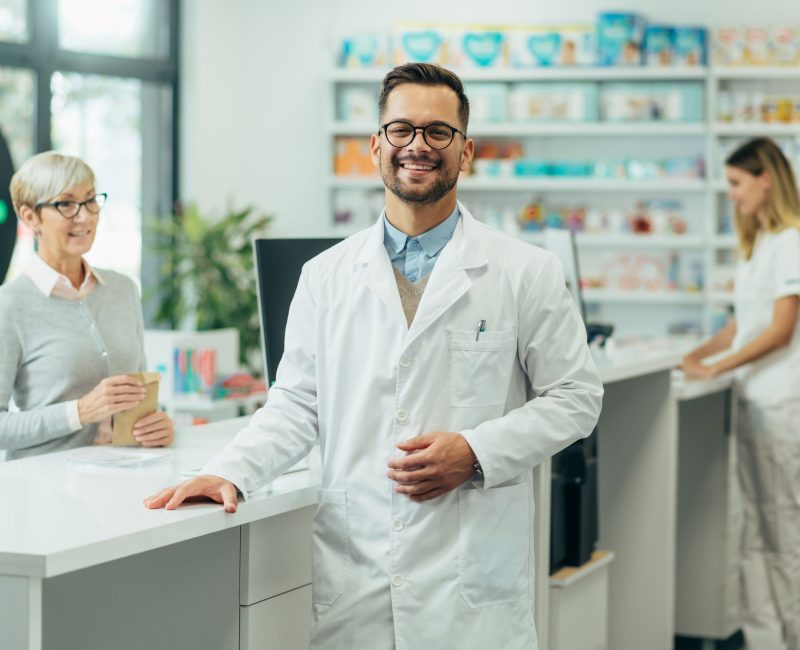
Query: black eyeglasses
{"points": [[70, 209], [436, 136]]}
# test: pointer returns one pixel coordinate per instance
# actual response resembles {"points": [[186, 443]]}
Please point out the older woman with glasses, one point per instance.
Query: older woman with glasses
{"points": [[68, 332]]}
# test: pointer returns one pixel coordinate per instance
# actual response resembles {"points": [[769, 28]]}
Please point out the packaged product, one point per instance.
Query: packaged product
{"points": [[534, 46], [553, 101], [488, 102], [620, 38], [785, 46], [352, 157], [728, 46], [658, 45], [422, 43], [480, 47], [690, 46], [364, 51], [578, 44], [756, 46], [355, 103]]}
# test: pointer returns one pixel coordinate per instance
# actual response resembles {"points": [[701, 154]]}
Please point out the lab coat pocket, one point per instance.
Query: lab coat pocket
{"points": [[480, 370], [494, 544], [330, 553]]}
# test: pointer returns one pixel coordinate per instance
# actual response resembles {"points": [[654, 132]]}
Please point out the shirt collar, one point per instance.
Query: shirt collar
{"points": [[431, 241], [45, 277]]}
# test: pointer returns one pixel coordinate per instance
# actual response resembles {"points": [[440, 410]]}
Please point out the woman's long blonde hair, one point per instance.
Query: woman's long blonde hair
{"points": [[782, 209]]}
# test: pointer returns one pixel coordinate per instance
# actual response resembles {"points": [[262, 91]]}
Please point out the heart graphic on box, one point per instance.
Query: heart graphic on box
{"points": [[545, 47], [422, 46], [483, 49]]}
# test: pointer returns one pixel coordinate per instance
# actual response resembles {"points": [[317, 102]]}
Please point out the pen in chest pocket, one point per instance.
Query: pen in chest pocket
{"points": [[481, 328]]}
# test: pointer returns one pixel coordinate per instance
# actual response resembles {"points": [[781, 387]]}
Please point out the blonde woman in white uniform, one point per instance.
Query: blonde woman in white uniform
{"points": [[766, 356]]}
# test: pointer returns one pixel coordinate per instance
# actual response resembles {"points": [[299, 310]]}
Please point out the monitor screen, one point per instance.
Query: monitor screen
{"points": [[278, 266], [562, 243]]}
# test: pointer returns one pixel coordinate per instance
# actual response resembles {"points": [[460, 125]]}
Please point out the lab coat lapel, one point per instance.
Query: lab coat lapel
{"points": [[377, 270], [449, 280]]}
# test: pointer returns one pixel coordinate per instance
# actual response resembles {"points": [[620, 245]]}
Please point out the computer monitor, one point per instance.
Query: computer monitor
{"points": [[562, 242], [278, 266]]}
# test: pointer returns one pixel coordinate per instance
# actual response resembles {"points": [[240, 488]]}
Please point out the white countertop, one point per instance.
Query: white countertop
{"points": [[59, 516]]}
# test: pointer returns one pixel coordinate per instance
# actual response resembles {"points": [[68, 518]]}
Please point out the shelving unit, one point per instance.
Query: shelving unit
{"points": [[703, 197]]}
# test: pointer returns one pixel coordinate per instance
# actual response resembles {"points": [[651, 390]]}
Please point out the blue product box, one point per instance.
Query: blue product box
{"points": [[481, 48], [424, 44], [620, 37], [531, 167], [364, 51], [690, 46], [658, 45]]}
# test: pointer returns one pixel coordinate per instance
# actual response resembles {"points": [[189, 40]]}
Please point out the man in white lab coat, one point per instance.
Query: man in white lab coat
{"points": [[436, 361]]}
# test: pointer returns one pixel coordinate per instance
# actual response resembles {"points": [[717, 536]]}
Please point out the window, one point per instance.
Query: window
{"points": [[97, 79]]}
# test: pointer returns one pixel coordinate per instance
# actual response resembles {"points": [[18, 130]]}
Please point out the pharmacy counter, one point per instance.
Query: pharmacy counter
{"points": [[84, 566]]}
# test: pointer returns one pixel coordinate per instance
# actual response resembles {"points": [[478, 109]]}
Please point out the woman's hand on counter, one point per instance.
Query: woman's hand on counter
{"points": [[693, 367], [154, 430], [199, 488], [110, 396]]}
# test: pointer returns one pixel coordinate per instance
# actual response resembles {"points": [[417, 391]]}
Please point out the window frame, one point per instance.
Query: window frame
{"points": [[42, 55]]}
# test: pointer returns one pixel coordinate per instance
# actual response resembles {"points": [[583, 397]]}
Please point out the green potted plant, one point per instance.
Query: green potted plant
{"points": [[207, 280]]}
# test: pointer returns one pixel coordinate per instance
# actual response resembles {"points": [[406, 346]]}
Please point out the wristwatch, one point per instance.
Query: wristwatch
{"points": [[477, 469]]}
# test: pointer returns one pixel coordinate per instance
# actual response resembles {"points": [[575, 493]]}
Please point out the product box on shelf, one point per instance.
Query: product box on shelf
{"points": [[658, 45], [488, 102], [352, 157], [554, 45], [664, 101], [478, 47], [425, 43], [364, 51], [785, 45], [534, 101], [620, 38], [690, 46], [728, 46], [756, 46], [356, 103]]}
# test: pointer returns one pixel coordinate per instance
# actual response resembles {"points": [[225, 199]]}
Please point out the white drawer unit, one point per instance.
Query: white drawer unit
{"points": [[276, 555], [280, 623]]}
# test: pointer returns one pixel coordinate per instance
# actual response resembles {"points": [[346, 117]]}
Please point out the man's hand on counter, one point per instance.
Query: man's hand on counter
{"points": [[199, 488]]}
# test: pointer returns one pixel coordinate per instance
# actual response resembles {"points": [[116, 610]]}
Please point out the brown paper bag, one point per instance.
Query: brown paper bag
{"points": [[122, 434]]}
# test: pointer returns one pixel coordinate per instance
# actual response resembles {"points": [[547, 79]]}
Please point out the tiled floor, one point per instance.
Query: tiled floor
{"points": [[734, 643]]}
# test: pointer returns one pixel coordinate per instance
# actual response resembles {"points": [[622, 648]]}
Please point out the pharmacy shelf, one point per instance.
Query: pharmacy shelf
{"points": [[642, 297], [547, 129], [544, 184], [753, 129], [755, 72], [638, 241], [633, 73]]}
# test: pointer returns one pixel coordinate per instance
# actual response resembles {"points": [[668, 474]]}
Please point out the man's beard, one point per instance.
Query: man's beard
{"points": [[440, 187]]}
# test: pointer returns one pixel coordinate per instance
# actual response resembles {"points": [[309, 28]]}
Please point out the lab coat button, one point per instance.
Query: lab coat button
{"points": [[405, 362], [397, 524], [397, 581], [401, 416]]}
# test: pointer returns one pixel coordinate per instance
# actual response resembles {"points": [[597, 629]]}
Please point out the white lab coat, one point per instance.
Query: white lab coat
{"points": [[457, 571]]}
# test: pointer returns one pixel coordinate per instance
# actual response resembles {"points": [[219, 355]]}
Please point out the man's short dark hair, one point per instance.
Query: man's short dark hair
{"points": [[426, 74]]}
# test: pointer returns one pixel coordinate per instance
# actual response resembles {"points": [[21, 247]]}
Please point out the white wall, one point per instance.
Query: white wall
{"points": [[254, 91]]}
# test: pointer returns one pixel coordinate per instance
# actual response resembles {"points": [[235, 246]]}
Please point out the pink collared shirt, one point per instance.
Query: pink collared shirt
{"points": [[57, 285]]}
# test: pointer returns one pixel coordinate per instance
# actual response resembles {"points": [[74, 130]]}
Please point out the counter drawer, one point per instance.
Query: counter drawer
{"points": [[280, 623], [276, 555]]}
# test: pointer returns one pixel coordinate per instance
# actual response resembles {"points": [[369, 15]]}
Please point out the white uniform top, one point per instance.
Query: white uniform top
{"points": [[772, 272], [496, 351]]}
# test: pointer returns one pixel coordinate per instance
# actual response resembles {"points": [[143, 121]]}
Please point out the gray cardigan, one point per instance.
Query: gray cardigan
{"points": [[54, 350]]}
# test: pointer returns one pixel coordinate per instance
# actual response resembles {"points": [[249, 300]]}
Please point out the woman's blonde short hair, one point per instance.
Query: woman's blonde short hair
{"points": [[46, 175]]}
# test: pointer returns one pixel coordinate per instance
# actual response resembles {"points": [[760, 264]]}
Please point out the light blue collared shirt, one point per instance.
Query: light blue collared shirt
{"points": [[415, 257]]}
